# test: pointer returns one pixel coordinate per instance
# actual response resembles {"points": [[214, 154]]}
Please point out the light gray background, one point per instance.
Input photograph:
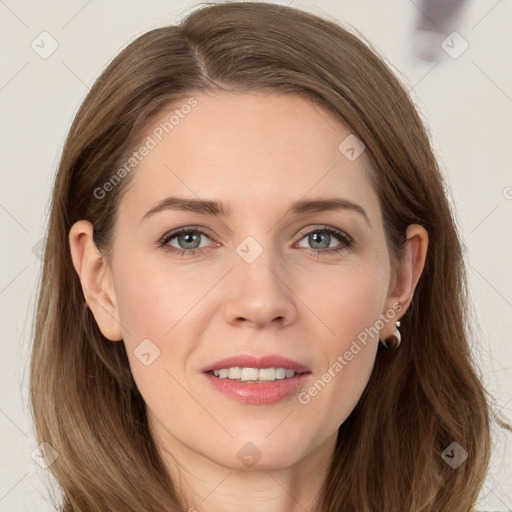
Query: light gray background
{"points": [[466, 103]]}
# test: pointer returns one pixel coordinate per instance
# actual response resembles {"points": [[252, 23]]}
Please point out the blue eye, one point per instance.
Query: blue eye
{"points": [[326, 235], [190, 241], [187, 237]]}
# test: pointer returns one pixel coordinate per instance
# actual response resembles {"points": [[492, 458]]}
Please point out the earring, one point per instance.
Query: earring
{"points": [[393, 341]]}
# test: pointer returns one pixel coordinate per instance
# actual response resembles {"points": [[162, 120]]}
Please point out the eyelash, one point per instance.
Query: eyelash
{"points": [[162, 243]]}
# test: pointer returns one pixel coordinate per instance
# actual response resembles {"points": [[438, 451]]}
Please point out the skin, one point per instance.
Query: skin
{"points": [[257, 153]]}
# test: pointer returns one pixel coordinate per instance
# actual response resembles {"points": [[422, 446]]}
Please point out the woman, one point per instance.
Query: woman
{"points": [[253, 288]]}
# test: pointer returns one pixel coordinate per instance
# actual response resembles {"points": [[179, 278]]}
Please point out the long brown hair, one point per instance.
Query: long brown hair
{"points": [[419, 399]]}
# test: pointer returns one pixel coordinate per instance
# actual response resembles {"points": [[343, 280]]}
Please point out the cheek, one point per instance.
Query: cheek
{"points": [[149, 309], [157, 306], [348, 300], [350, 308], [144, 306], [152, 299]]}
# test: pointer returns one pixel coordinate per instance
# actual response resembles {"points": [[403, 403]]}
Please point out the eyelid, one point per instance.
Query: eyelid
{"points": [[184, 229], [323, 227]]}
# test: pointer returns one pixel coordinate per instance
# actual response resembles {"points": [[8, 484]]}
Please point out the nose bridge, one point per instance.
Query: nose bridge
{"points": [[260, 294], [257, 266]]}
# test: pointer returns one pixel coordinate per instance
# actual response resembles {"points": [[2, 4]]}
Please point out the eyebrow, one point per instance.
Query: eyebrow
{"points": [[218, 208]]}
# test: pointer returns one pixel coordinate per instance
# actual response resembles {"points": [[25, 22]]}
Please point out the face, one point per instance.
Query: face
{"points": [[274, 278]]}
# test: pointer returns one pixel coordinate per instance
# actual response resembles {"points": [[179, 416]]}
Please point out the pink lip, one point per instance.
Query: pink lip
{"points": [[259, 393], [249, 361]]}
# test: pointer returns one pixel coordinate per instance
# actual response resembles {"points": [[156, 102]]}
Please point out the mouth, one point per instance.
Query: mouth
{"points": [[257, 380]]}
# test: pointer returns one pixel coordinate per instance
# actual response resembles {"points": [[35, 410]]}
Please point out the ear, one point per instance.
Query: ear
{"points": [[96, 279], [405, 279]]}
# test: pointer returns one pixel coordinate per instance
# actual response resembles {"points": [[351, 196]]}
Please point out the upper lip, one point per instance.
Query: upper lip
{"points": [[250, 361]]}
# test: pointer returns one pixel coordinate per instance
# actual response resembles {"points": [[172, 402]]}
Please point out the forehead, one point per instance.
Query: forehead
{"points": [[250, 150]]}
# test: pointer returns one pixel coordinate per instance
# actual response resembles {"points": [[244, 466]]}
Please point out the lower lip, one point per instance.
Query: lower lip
{"points": [[259, 392]]}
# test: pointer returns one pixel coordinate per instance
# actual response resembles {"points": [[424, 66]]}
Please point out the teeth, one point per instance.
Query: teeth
{"points": [[234, 373], [266, 374], [250, 374], [254, 374], [280, 373]]}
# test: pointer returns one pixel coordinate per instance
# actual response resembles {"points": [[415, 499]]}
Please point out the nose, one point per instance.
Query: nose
{"points": [[261, 294]]}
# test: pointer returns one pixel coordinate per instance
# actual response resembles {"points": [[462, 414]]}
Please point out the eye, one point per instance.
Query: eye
{"points": [[320, 240], [188, 240]]}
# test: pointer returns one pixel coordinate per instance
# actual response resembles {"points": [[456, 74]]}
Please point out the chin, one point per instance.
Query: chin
{"points": [[258, 452]]}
